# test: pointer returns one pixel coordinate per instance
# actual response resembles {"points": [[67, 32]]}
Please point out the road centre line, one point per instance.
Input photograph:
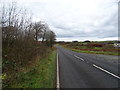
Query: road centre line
{"points": [[79, 57], [100, 68], [106, 71]]}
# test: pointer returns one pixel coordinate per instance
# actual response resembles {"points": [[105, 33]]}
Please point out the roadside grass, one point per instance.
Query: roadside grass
{"points": [[43, 75], [95, 52]]}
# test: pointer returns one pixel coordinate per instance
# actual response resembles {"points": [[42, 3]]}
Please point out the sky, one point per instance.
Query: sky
{"points": [[76, 20]]}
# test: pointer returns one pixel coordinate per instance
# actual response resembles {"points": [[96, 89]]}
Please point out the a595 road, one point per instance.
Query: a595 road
{"points": [[81, 70]]}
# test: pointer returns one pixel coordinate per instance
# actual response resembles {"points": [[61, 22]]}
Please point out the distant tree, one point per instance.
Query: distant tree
{"points": [[74, 41], [50, 38], [87, 41]]}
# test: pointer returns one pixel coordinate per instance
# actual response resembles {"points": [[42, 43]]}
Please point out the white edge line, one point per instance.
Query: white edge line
{"points": [[106, 71], [58, 82]]}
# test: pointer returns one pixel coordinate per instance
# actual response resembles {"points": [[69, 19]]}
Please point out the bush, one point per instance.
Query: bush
{"points": [[20, 36]]}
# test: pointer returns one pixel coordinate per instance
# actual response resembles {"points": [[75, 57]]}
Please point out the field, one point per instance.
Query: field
{"points": [[100, 47]]}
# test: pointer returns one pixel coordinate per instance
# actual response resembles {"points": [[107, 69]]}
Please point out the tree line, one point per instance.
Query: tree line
{"points": [[17, 25], [23, 40]]}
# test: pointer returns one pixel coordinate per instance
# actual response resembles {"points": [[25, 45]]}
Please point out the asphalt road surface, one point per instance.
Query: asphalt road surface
{"points": [[82, 70]]}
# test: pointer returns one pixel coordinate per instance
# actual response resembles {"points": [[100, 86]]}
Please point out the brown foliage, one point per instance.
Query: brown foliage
{"points": [[95, 45], [20, 41]]}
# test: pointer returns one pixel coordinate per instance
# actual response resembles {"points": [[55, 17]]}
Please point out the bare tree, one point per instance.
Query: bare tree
{"points": [[38, 27], [50, 38], [45, 30]]}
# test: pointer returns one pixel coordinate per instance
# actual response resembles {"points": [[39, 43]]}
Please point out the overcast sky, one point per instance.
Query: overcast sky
{"points": [[76, 19]]}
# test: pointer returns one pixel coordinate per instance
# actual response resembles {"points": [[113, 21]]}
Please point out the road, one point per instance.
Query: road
{"points": [[82, 70]]}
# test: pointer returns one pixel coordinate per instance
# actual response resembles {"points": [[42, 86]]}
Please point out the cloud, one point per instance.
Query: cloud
{"points": [[77, 19]]}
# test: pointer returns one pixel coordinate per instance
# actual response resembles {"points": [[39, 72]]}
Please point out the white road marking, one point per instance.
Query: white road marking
{"points": [[79, 57], [82, 59], [76, 56], [100, 68], [106, 71], [58, 81]]}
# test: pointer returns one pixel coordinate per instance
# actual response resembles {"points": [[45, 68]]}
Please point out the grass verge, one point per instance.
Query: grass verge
{"points": [[43, 75], [93, 52], [96, 52]]}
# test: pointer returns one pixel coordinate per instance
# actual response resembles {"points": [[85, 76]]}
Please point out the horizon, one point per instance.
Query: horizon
{"points": [[88, 40]]}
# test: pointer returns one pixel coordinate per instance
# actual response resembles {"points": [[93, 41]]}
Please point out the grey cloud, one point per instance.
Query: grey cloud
{"points": [[77, 19]]}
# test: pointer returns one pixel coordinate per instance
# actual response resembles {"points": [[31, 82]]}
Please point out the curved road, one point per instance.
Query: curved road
{"points": [[81, 70]]}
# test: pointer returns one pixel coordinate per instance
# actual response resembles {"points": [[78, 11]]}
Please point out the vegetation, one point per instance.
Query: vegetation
{"points": [[97, 47], [40, 76], [24, 42]]}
